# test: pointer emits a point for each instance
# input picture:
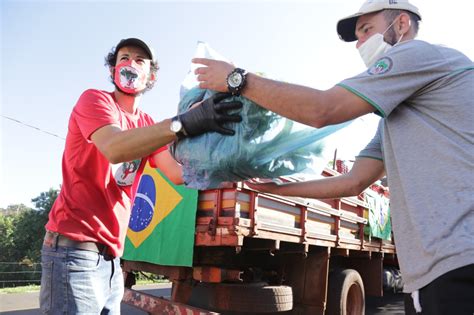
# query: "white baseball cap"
(346, 26)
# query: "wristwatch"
(236, 81)
(177, 127)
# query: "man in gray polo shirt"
(425, 144)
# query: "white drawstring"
(415, 295)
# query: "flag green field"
(379, 220)
(162, 222)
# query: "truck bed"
(226, 216)
(251, 244)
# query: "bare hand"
(270, 187)
(214, 75)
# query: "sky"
(51, 51)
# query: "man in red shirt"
(109, 140)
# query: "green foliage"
(7, 234)
(22, 231)
(14, 209)
(28, 235)
(44, 202)
(21, 289)
(146, 278)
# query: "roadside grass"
(36, 288)
(21, 289)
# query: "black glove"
(211, 115)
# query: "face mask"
(375, 47)
(130, 77)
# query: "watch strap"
(182, 132)
(236, 90)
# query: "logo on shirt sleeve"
(125, 173)
(382, 66)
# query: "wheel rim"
(354, 300)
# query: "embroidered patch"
(382, 66)
(125, 173)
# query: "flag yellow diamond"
(167, 198)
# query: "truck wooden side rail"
(262, 253)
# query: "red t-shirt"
(95, 198)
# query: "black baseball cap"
(137, 43)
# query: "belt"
(53, 239)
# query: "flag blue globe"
(145, 199)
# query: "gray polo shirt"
(425, 95)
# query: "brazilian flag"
(379, 221)
(162, 222)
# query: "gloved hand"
(211, 115)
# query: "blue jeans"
(77, 281)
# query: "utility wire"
(27, 125)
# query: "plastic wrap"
(265, 145)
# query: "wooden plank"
(158, 305)
(172, 272)
(284, 219)
(212, 274)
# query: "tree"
(31, 230)
(29, 234)
(6, 240)
(22, 231)
(14, 209)
(44, 202)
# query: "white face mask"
(375, 47)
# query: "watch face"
(235, 79)
(176, 126)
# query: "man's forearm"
(303, 104)
(364, 172)
(331, 187)
(136, 143)
(296, 102)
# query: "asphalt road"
(27, 303)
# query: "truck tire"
(345, 293)
(251, 298)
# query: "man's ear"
(404, 24)
(112, 71)
(152, 77)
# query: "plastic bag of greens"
(265, 145)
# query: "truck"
(257, 253)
